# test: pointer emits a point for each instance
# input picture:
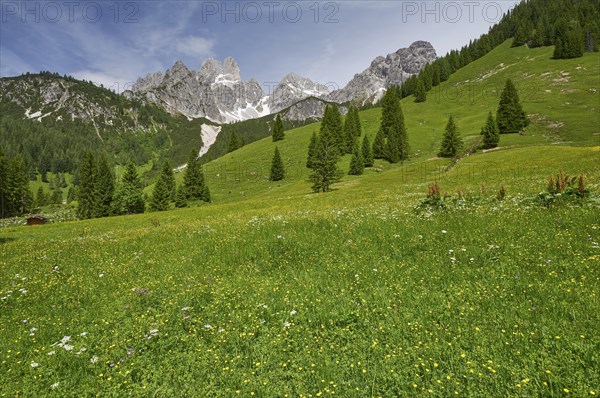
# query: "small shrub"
(501, 193)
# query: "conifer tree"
(490, 133)
(278, 134)
(40, 197)
(129, 196)
(357, 163)
(180, 197)
(193, 180)
(452, 142)
(87, 195)
(325, 170)
(420, 94)
(3, 184)
(379, 145)
(105, 188)
(312, 150)
(352, 129)
(510, 116)
(161, 196)
(169, 177)
(332, 122)
(367, 153)
(392, 124)
(277, 170)
(234, 142)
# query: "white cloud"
(195, 46)
(115, 83)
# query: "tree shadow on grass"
(5, 240)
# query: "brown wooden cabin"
(36, 220)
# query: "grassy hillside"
(275, 291)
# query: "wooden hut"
(36, 220)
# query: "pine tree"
(379, 145)
(420, 94)
(436, 75)
(510, 116)
(277, 170)
(312, 150)
(193, 180)
(367, 153)
(234, 142)
(278, 134)
(357, 163)
(129, 196)
(87, 195)
(105, 188)
(490, 133)
(325, 170)
(451, 143)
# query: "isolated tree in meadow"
(278, 134)
(490, 133)
(325, 170)
(379, 145)
(41, 199)
(105, 188)
(357, 163)
(129, 196)
(3, 183)
(277, 170)
(451, 142)
(420, 93)
(87, 195)
(511, 117)
(367, 153)
(193, 180)
(312, 150)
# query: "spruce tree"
(277, 170)
(129, 197)
(41, 197)
(510, 116)
(357, 163)
(193, 180)
(105, 188)
(312, 150)
(169, 177)
(379, 145)
(234, 142)
(367, 153)
(451, 143)
(352, 129)
(325, 170)
(392, 124)
(161, 196)
(278, 134)
(420, 94)
(87, 195)
(490, 133)
(180, 197)
(332, 123)
(3, 183)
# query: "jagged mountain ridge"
(369, 86)
(218, 93)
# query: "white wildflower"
(94, 359)
(53, 386)
(34, 364)
(293, 312)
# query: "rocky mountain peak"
(231, 69)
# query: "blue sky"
(114, 43)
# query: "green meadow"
(273, 291)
